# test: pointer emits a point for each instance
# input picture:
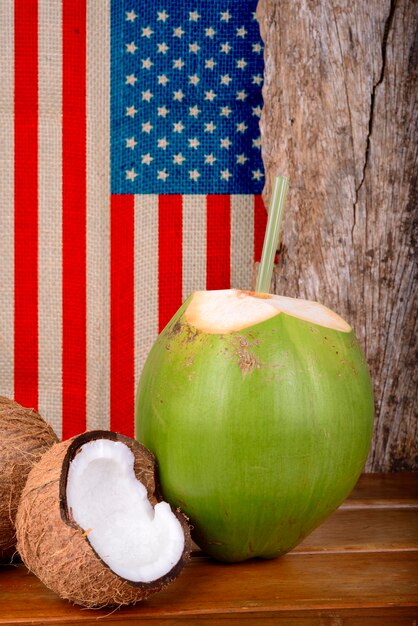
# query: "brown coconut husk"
(24, 437)
(57, 550)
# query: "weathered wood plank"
(365, 530)
(340, 117)
(394, 489)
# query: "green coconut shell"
(259, 434)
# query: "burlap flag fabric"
(131, 175)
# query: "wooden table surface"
(359, 568)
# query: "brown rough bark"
(340, 118)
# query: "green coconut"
(259, 409)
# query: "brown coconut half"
(24, 437)
(92, 526)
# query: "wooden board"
(359, 568)
(386, 489)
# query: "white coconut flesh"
(228, 310)
(137, 541)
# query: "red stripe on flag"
(26, 204)
(170, 215)
(218, 242)
(260, 223)
(122, 375)
(74, 218)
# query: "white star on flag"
(131, 16)
(131, 79)
(225, 174)
(131, 143)
(210, 127)
(194, 143)
(131, 47)
(178, 159)
(162, 175)
(194, 174)
(146, 127)
(131, 111)
(210, 159)
(147, 32)
(226, 48)
(147, 95)
(225, 79)
(146, 159)
(241, 127)
(210, 95)
(131, 174)
(194, 111)
(162, 143)
(225, 111)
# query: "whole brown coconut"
(62, 551)
(24, 437)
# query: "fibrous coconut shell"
(24, 437)
(58, 551)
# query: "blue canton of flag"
(186, 98)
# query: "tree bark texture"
(340, 118)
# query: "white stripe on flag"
(146, 277)
(194, 244)
(50, 212)
(7, 200)
(98, 214)
(242, 240)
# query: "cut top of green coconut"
(228, 310)
(139, 542)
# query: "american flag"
(131, 176)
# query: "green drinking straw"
(272, 234)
